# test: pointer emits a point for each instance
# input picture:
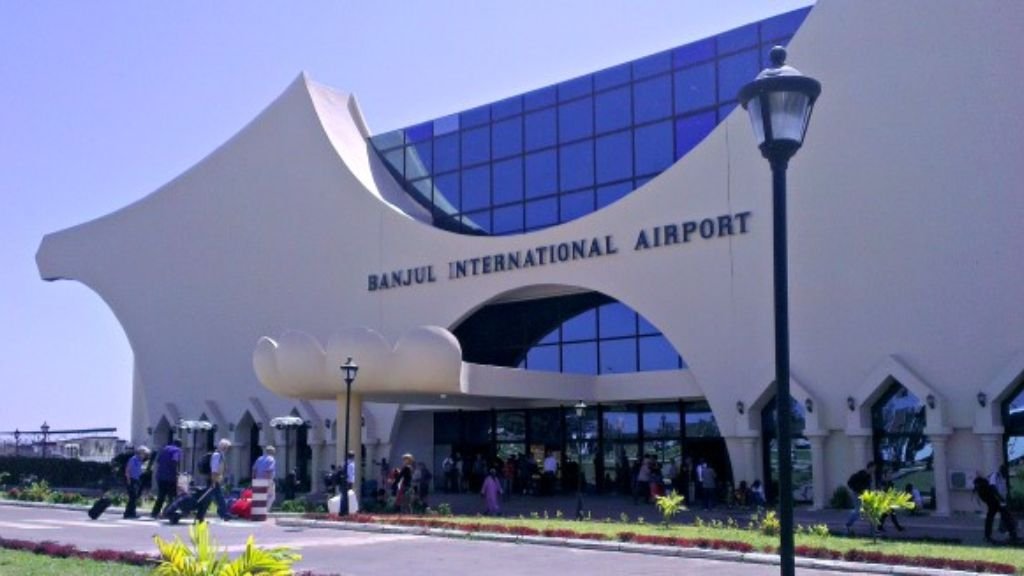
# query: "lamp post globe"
(780, 101)
(349, 370)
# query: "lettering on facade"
(675, 233)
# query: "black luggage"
(184, 504)
(99, 507)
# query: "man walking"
(214, 490)
(859, 483)
(167, 462)
(133, 480)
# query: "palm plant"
(204, 557)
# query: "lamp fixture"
(327, 423)
(740, 407)
(149, 430)
(851, 403)
(809, 405)
(982, 399)
(930, 400)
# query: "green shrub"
(874, 504)
(769, 524)
(444, 509)
(841, 499)
(670, 505)
(204, 558)
(65, 472)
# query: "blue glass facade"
(560, 152)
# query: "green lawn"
(1002, 554)
(17, 563)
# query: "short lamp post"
(581, 409)
(194, 426)
(288, 423)
(349, 370)
(780, 101)
(45, 429)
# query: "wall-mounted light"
(149, 430)
(809, 405)
(930, 400)
(982, 399)
(740, 407)
(851, 403)
(327, 423)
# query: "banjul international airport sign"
(674, 234)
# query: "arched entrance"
(903, 452)
(803, 475)
(1013, 442)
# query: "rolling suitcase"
(99, 507)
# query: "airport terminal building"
(607, 239)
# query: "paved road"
(359, 554)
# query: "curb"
(627, 547)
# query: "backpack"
(204, 463)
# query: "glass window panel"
(541, 213)
(545, 426)
(478, 222)
(476, 188)
(651, 65)
(576, 120)
(608, 194)
(783, 24)
(616, 319)
(506, 450)
(769, 415)
(508, 181)
(417, 160)
(507, 107)
(446, 153)
(640, 182)
(446, 193)
(540, 129)
(907, 459)
(664, 451)
(475, 117)
(694, 52)
(420, 132)
(646, 327)
(508, 137)
(539, 98)
(576, 204)
(735, 71)
(577, 165)
(511, 426)
(541, 174)
(700, 422)
(579, 358)
(575, 88)
(614, 76)
(388, 140)
(653, 148)
(737, 39)
(618, 460)
(508, 219)
(424, 190)
(396, 160)
(652, 99)
(692, 130)
(476, 427)
(446, 125)
(695, 88)
(662, 421)
(582, 326)
(550, 337)
(614, 109)
(618, 356)
(899, 411)
(614, 157)
(446, 427)
(476, 145)
(621, 423)
(656, 353)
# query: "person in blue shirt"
(167, 462)
(133, 480)
(265, 467)
(214, 491)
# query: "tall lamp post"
(780, 101)
(349, 370)
(581, 408)
(45, 429)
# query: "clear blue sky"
(103, 102)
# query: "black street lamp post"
(349, 368)
(581, 408)
(45, 429)
(780, 101)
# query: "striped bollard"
(260, 486)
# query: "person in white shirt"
(550, 468)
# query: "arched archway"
(247, 443)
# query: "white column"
(941, 475)
(355, 433)
(861, 454)
(990, 452)
(749, 450)
(818, 472)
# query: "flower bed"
(49, 548)
(820, 552)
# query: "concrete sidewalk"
(964, 528)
